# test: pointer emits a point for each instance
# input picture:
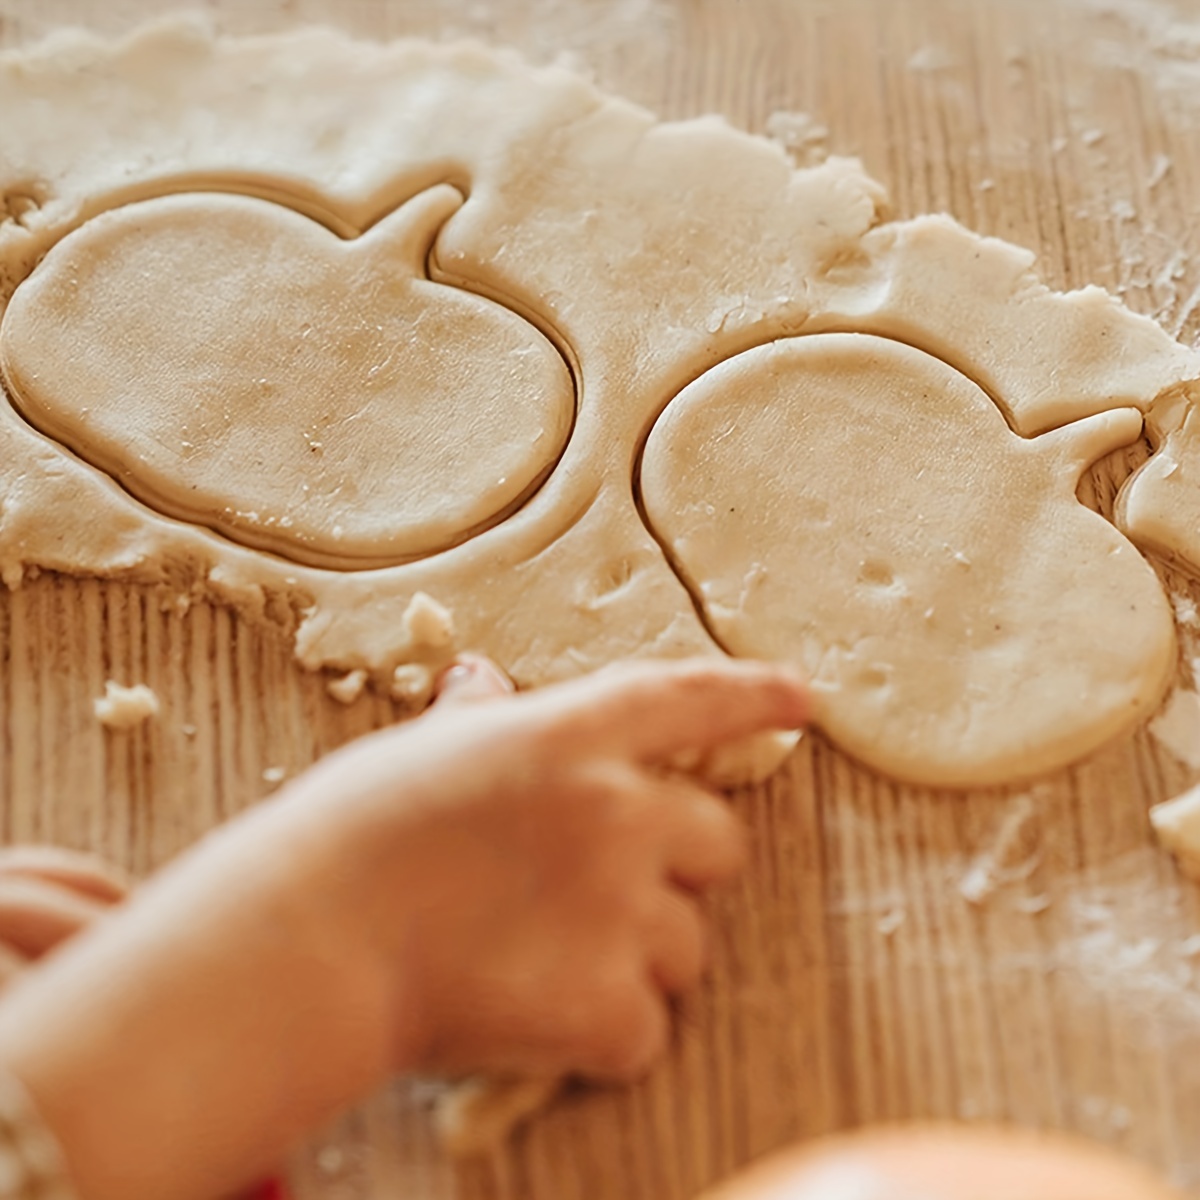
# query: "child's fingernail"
(458, 674)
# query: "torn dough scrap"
(429, 639)
(125, 707)
(478, 1115)
(412, 684)
(1177, 727)
(1177, 826)
(428, 626)
(347, 688)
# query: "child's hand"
(503, 883)
(47, 896)
(522, 870)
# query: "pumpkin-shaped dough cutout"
(237, 365)
(860, 508)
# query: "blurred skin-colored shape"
(946, 1162)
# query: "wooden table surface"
(1025, 955)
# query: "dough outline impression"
(878, 604)
(403, 238)
(644, 304)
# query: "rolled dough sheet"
(312, 326)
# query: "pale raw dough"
(1177, 727)
(428, 627)
(576, 265)
(477, 1116)
(860, 507)
(125, 707)
(1159, 507)
(749, 760)
(1177, 825)
(327, 402)
(347, 688)
(412, 684)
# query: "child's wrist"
(327, 907)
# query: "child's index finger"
(656, 709)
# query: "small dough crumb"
(427, 624)
(125, 707)
(752, 760)
(742, 763)
(1177, 727)
(412, 684)
(348, 688)
(1010, 857)
(1177, 827)
(274, 774)
(977, 884)
(1186, 613)
(1160, 169)
(478, 1115)
(800, 136)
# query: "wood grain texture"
(1024, 955)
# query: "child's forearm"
(163, 1052)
